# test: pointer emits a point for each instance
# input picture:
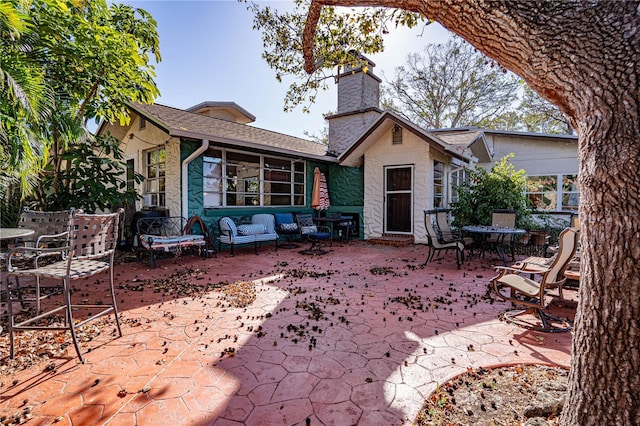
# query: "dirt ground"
(517, 395)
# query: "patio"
(361, 335)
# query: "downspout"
(185, 176)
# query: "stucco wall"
(413, 151)
(149, 138)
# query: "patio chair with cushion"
(90, 251)
(447, 233)
(345, 226)
(313, 233)
(435, 242)
(286, 226)
(518, 286)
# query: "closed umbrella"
(320, 193)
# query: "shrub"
(500, 188)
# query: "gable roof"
(189, 125)
(475, 138)
(353, 155)
(239, 114)
(472, 139)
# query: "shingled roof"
(184, 124)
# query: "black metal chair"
(435, 242)
(288, 228)
(345, 224)
(313, 233)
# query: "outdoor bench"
(261, 228)
(167, 234)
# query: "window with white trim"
(554, 192)
(438, 184)
(154, 184)
(458, 178)
(235, 178)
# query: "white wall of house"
(537, 156)
(413, 151)
(137, 142)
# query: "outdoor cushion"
(156, 242)
(266, 237)
(289, 227)
(282, 218)
(252, 229)
(237, 239)
(227, 224)
(309, 229)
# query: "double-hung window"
(154, 184)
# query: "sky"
(210, 52)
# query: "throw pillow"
(289, 227)
(309, 229)
(252, 229)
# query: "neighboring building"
(550, 161)
(380, 168)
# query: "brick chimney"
(358, 104)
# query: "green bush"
(500, 188)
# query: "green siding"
(196, 201)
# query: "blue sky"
(210, 52)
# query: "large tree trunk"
(584, 57)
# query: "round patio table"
(12, 233)
(502, 232)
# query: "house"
(550, 161)
(208, 161)
(383, 170)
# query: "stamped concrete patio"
(361, 335)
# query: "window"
(242, 179)
(234, 178)
(142, 123)
(553, 192)
(131, 173)
(155, 162)
(570, 192)
(543, 192)
(459, 177)
(283, 182)
(212, 182)
(438, 184)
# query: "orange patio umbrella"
(320, 193)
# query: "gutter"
(185, 176)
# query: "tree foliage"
(502, 187)
(450, 85)
(25, 99)
(339, 32)
(75, 61)
(539, 115)
(101, 156)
